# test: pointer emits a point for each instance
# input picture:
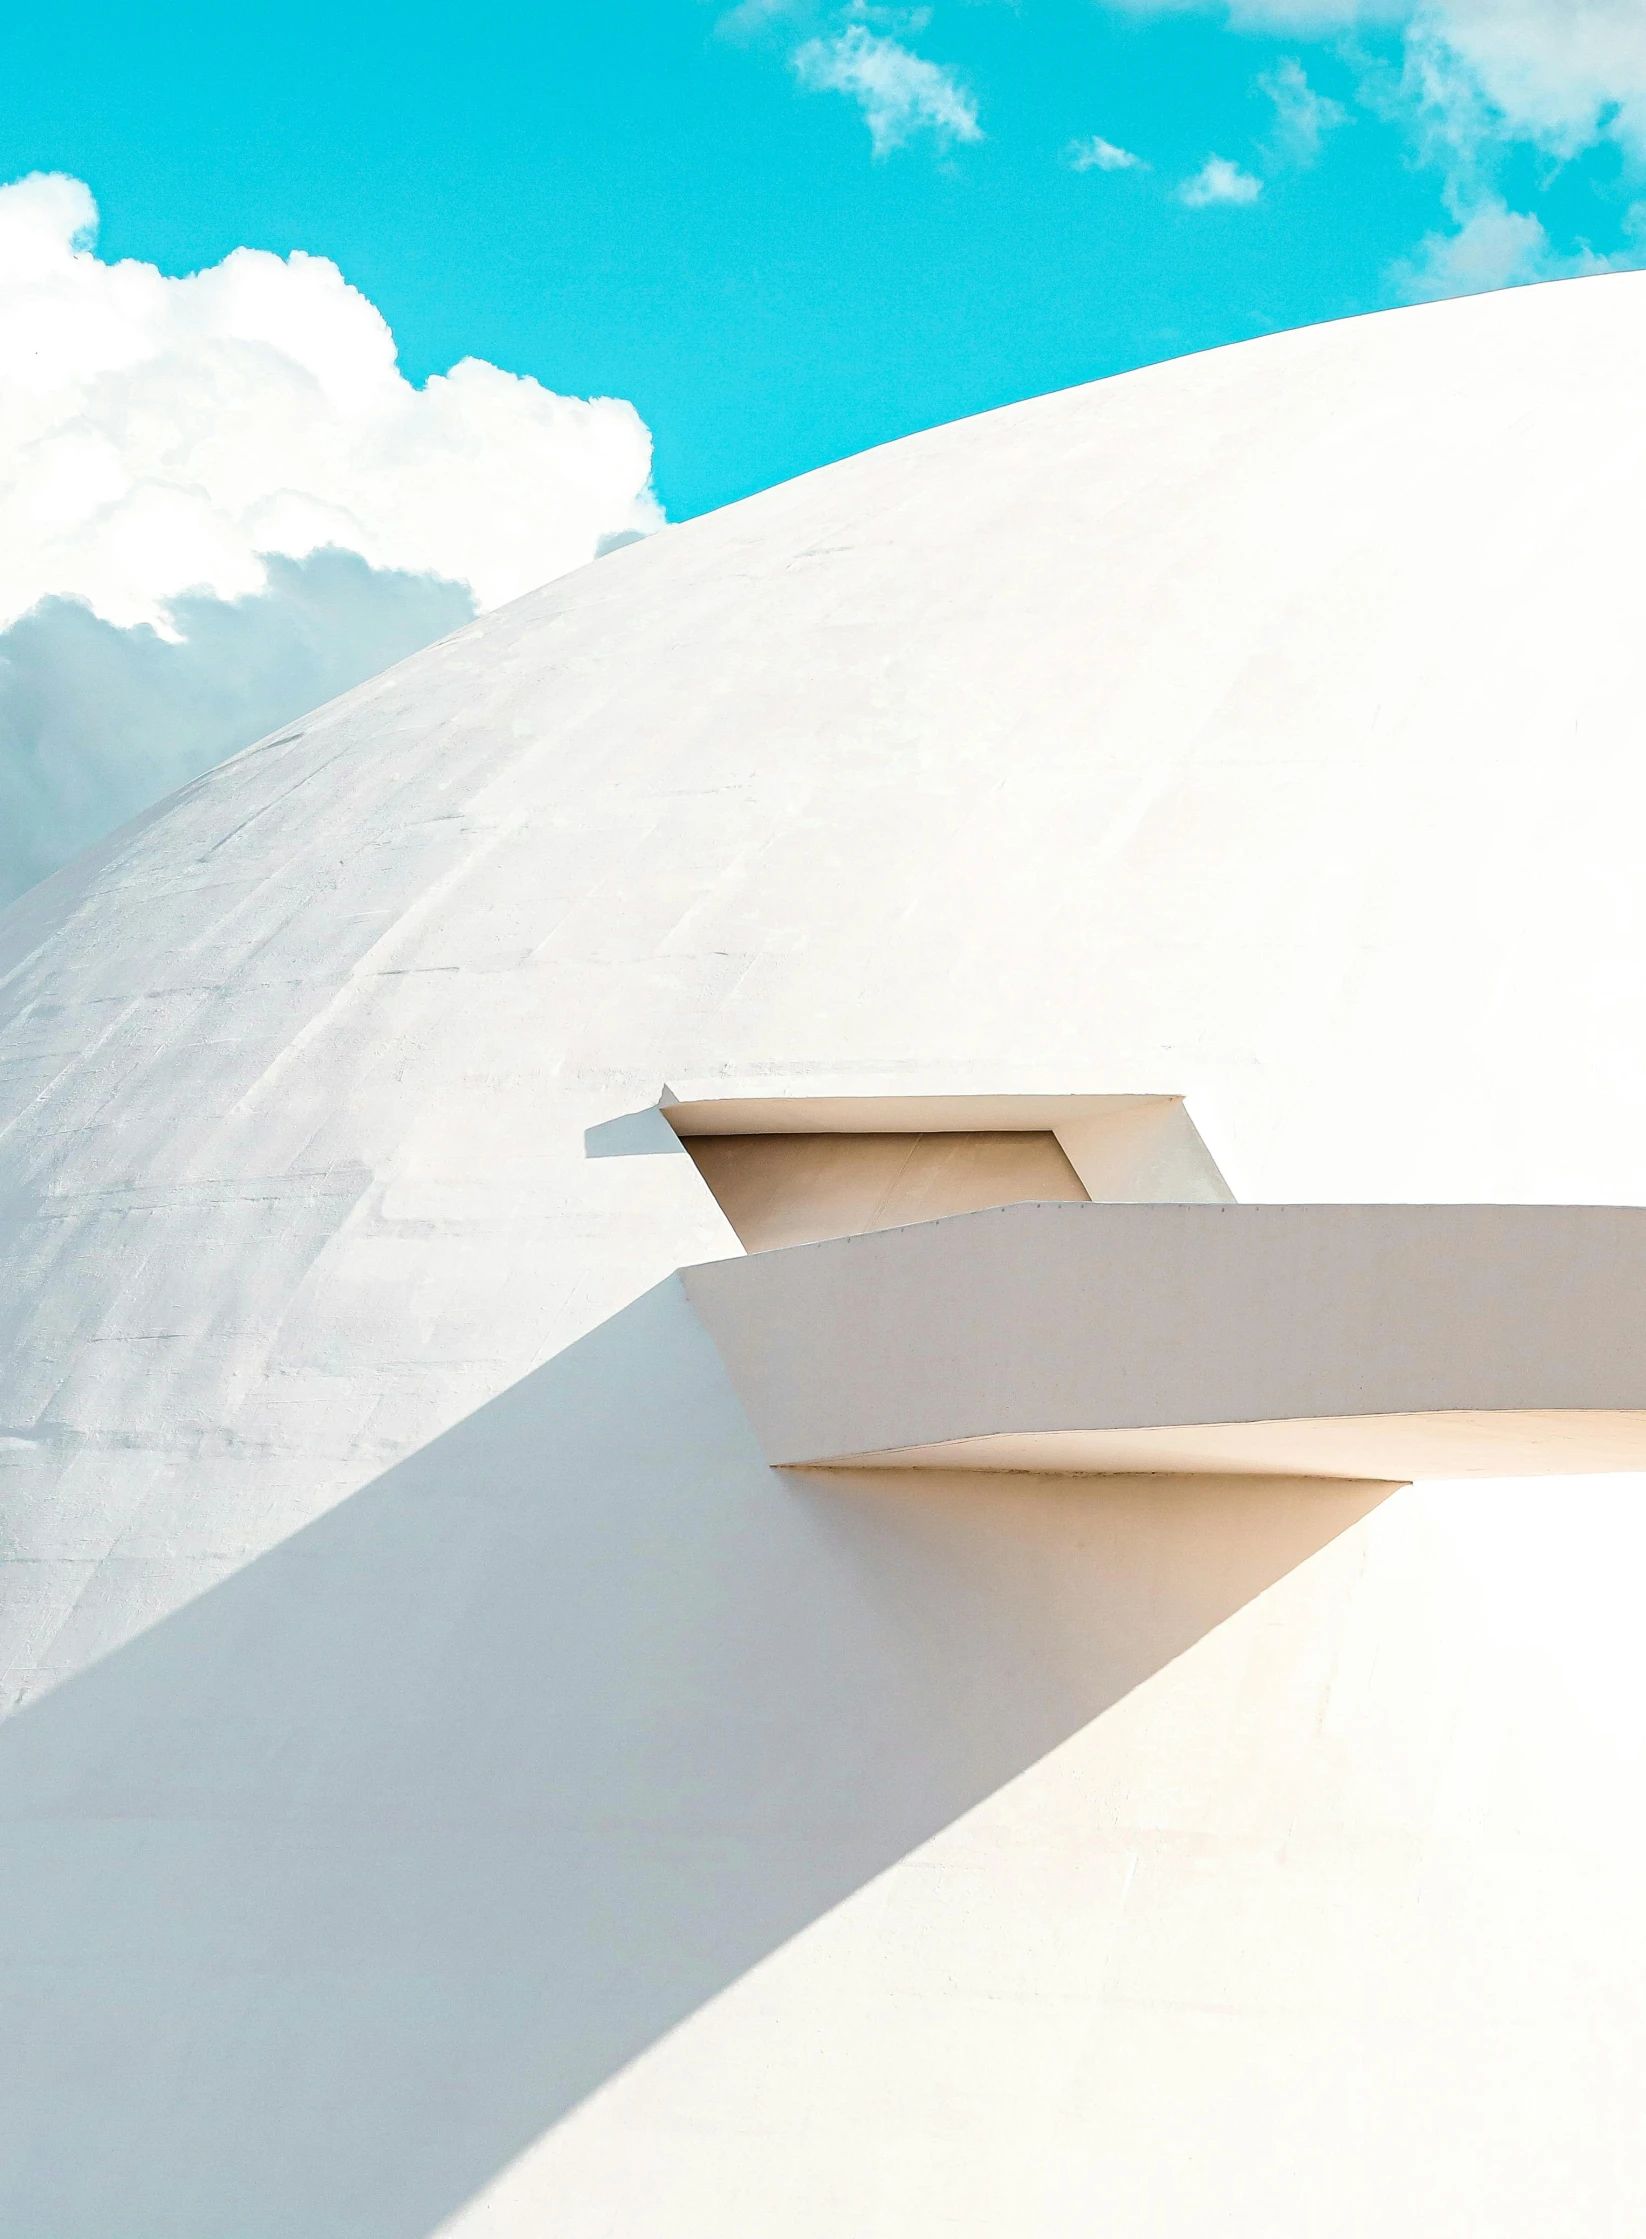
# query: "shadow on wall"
(327, 1896)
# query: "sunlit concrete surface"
(453, 1782)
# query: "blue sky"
(781, 230)
(633, 199)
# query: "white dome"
(1263, 729)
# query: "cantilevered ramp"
(1366, 1341)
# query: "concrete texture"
(453, 1782)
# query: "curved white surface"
(560, 1822)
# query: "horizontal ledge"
(1365, 1341)
(897, 1115)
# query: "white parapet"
(1364, 1341)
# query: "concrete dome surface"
(452, 1782)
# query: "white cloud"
(1307, 18)
(1302, 117)
(1219, 181)
(98, 721)
(1475, 78)
(160, 436)
(1493, 247)
(1561, 73)
(748, 18)
(221, 503)
(900, 93)
(1098, 154)
(1496, 247)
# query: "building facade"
(717, 1309)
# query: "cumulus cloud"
(159, 435)
(1219, 181)
(221, 501)
(899, 92)
(97, 721)
(1098, 154)
(1302, 117)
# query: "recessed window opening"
(799, 1189)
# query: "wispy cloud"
(1098, 154)
(748, 18)
(1494, 246)
(899, 92)
(1563, 74)
(1303, 117)
(1219, 181)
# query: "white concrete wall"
(1331, 1926)
(426, 1702)
(334, 1894)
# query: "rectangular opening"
(799, 1189)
